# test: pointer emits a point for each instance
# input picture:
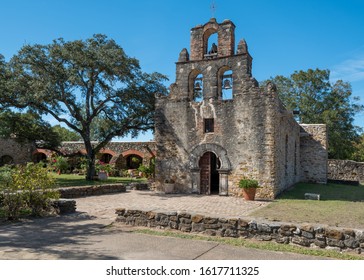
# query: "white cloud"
(350, 70)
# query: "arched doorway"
(6, 159)
(39, 156)
(133, 161)
(222, 167)
(106, 157)
(209, 175)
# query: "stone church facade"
(218, 126)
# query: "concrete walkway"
(87, 234)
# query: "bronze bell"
(197, 86)
(227, 84)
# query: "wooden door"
(205, 173)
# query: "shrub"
(145, 170)
(102, 166)
(60, 164)
(29, 188)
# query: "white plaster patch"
(212, 108)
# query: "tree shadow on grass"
(61, 237)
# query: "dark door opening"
(209, 175)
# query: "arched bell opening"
(225, 83)
(210, 43)
(195, 86)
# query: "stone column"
(195, 180)
(223, 174)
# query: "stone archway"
(225, 166)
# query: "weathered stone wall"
(314, 154)
(201, 33)
(119, 151)
(345, 170)
(254, 135)
(286, 147)
(300, 234)
(245, 127)
(64, 206)
(73, 192)
(20, 153)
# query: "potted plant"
(169, 185)
(249, 187)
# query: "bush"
(60, 164)
(5, 179)
(29, 188)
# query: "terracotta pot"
(102, 175)
(168, 188)
(249, 193)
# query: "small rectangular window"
(209, 125)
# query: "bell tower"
(201, 33)
(212, 69)
(217, 125)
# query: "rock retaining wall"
(64, 206)
(303, 235)
(73, 192)
(345, 170)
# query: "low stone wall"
(303, 235)
(64, 206)
(73, 192)
(139, 186)
(345, 170)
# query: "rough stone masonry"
(306, 235)
(207, 141)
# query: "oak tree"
(90, 85)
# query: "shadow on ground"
(63, 237)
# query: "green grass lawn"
(340, 205)
(70, 180)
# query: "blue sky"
(282, 36)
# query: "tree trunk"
(90, 160)
(90, 169)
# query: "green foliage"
(248, 183)
(106, 167)
(4, 77)
(65, 134)
(320, 101)
(29, 188)
(147, 171)
(36, 185)
(60, 163)
(5, 180)
(102, 92)
(28, 127)
(358, 154)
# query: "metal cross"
(213, 8)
